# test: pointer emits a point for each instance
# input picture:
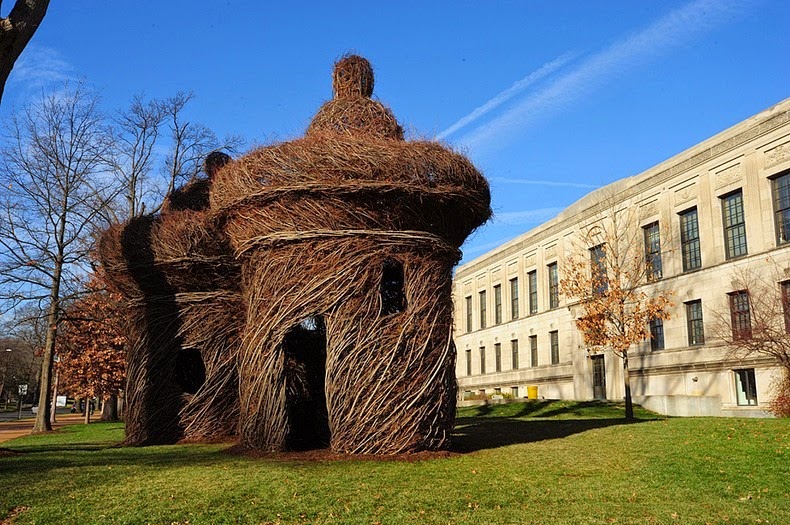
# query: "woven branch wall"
(301, 296)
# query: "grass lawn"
(535, 462)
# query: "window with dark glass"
(514, 353)
(781, 186)
(533, 350)
(554, 286)
(599, 279)
(740, 315)
(497, 304)
(498, 357)
(746, 387)
(483, 311)
(482, 359)
(514, 298)
(652, 251)
(785, 287)
(554, 338)
(696, 329)
(468, 306)
(657, 334)
(689, 240)
(734, 225)
(468, 361)
(532, 277)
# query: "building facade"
(707, 216)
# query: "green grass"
(537, 462)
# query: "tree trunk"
(45, 389)
(43, 415)
(629, 406)
(110, 409)
(54, 408)
(16, 30)
(87, 411)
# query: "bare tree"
(609, 274)
(52, 173)
(137, 130)
(16, 30)
(755, 319)
(19, 350)
(148, 126)
(190, 143)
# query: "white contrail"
(517, 87)
(526, 217)
(533, 182)
(679, 26)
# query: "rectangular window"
(781, 186)
(689, 240)
(498, 357)
(533, 291)
(533, 350)
(554, 338)
(514, 392)
(554, 286)
(734, 225)
(482, 359)
(497, 304)
(656, 334)
(746, 387)
(598, 276)
(652, 251)
(468, 361)
(468, 306)
(740, 315)
(696, 329)
(498, 391)
(785, 286)
(514, 353)
(483, 311)
(514, 298)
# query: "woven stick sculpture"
(308, 303)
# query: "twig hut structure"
(317, 284)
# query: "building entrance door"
(599, 377)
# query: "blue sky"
(549, 99)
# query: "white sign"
(60, 401)
(22, 390)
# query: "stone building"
(708, 214)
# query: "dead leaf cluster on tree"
(91, 344)
(608, 275)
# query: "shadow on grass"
(475, 433)
(36, 461)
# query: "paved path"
(22, 427)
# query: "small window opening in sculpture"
(189, 370)
(393, 299)
(304, 348)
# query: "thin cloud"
(678, 27)
(39, 67)
(517, 87)
(480, 248)
(526, 217)
(532, 182)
